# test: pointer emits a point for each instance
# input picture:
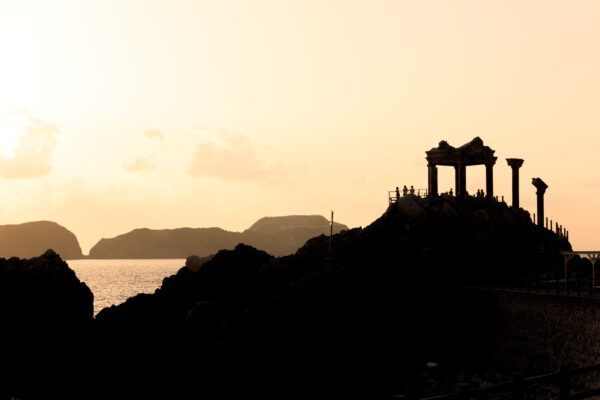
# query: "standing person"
(404, 190)
(397, 193)
(412, 189)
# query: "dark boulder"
(46, 315)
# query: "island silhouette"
(278, 236)
(31, 239)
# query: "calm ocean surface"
(114, 281)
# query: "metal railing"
(517, 386)
(393, 196)
(582, 287)
(558, 229)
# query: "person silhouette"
(450, 192)
(397, 193)
(412, 189)
(404, 190)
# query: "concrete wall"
(535, 333)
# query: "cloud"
(155, 134)
(146, 163)
(226, 155)
(140, 164)
(35, 141)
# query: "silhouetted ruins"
(472, 153)
(515, 164)
(541, 189)
(476, 153)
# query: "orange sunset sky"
(116, 115)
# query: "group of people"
(479, 195)
(405, 191)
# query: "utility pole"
(330, 232)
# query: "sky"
(162, 114)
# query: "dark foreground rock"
(277, 235)
(359, 324)
(33, 238)
(45, 315)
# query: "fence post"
(518, 391)
(565, 382)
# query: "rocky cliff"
(31, 239)
(359, 324)
(46, 315)
(277, 235)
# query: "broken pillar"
(541, 189)
(515, 164)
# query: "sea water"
(114, 281)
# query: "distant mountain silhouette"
(32, 239)
(278, 236)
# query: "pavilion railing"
(393, 196)
(558, 229)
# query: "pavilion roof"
(472, 153)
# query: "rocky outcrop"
(31, 239)
(361, 323)
(46, 315)
(277, 235)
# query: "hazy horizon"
(169, 114)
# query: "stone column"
(541, 189)
(456, 181)
(515, 164)
(489, 180)
(462, 181)
(432, 179)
